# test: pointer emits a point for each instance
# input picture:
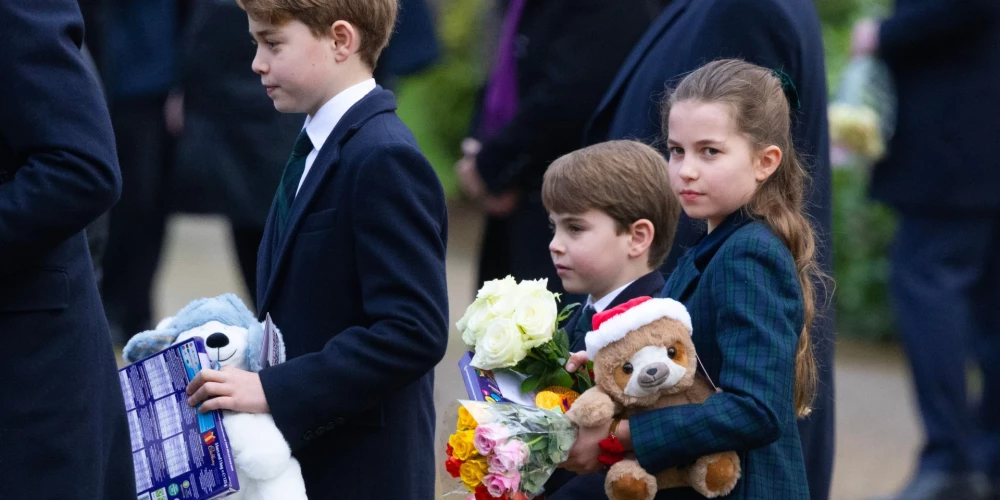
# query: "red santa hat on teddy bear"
(613, 324)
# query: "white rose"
(535, 313)
(500, 295)
(472, 326)
(500, 347)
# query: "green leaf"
(530, 384)
(561, 342)
(566, 312)
(535, 368)
(560, 377)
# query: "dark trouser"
(137, 224)
(946, 292)
(817, 430)
(247, 241)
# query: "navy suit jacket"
(357, 287)
(63, 429)
(944, 57)
(646, 286)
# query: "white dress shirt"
(319, 126)
(605, 301)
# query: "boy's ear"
(642, 232)
(346, 40)
(767, 161)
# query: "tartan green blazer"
(742, 290)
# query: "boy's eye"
(271, 44)
(573, 228)
(253, 41)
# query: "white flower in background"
(500, 347)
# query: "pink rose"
(507, 458)
(488, 436)
(498, 484)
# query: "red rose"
(483, 494)
(449, 450)
(453, 465)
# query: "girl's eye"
(676, 151)
(711, 151)
(627, 368)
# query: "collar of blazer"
(377, 101)
(693, 263)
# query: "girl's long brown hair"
(761, 113)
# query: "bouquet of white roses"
(514, 326)
(863, 114)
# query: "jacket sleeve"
(54, 123)
(916, 29)
(550, 118)
(757, 306)
(400, 222)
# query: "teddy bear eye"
(627, 368)
(671, 353)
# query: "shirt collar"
(606, 300)
(321, 125)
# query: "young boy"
(614, 218)
(352, 264)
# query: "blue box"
(178, 453)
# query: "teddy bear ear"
(148, 343)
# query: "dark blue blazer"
(646, 286)
(741, 287)
(357, 286)
(63, 429)
(944, 57)
(778, 34)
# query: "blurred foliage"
(862, 229)
(438, 103)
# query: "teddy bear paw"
(592, 408)
(715, 475)
(627, 480)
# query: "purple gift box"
(178, 453)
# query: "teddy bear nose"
(654, 374)
(217, 340)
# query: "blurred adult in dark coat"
(778, 34)
(563, 54)
(232, 143)
(942, 175)
(63, 429)
(138, 69)
(413, 47)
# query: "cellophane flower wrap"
(863, 113)
(515, 326)
(506, 451)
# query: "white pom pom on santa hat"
(615, 323)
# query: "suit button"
(308, 435)
(320, 431)
(340, 421)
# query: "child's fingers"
(205, 375)
(210, 390)
(576, 360)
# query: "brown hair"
(761, 113)
(627, 180)
(374, 19)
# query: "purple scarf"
(501, 95)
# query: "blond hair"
(761, 113)
(374, 19)
(627, 180)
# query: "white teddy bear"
(265, 467)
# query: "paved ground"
(877, 433)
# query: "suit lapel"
(377, 101)
(690, 266)
(665, 19)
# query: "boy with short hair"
(614, 218)
(352, 263)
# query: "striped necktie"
(290, 178)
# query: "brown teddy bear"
(644, 359)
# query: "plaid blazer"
(742, 290)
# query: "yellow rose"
(461, 444)
(472, 472)
(465, 419)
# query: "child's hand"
(228, 389)
(576, 360)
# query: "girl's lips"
(689, 195)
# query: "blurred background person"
(138, 64)
(942, 176)
(413, 47)
(553, 62)
(783, 35)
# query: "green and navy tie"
(290, 178)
